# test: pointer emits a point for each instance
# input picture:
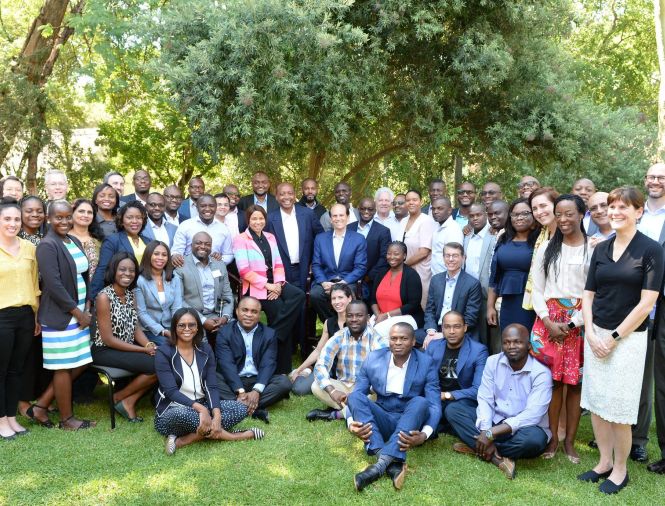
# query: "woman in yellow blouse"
(18, 269)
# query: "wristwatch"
(489, 435)
(448, 396)
(571, 325)
(616, 336)
(240, 391)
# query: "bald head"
(515, 345)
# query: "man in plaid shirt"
(349, 346)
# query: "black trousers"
(17, 328)
(278, 388)
(140, 363)
(283, 313)
(34, 378)
(640, 430)
(659, 379)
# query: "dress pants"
(282, 314)
(292, 272)
(386, 425)
(525, 443)
(641, 429)
(659, 379)
(17, 327)
(444, 424)
(320, 302)
(278, 388)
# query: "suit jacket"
(486, 252)
(378, 239)
(466, 300)
(410, 291)
(319, 210)
(113, 244)
(184, 211)
(470, 365)
(126, 199)
(248, 200)
(59, 287)
(308, 228)
(192, 291)
(230, 353)
(422, 380)
(352, 259)
(252, 266)
(153, 315)
(149, 235)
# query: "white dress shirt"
(338, 242)
(160, 232)
(448, 231)
(292, 234)
(221, 238)
(396, 376)
(447, 305)
(249, 369)
(473, 250)
(173, 220)
(364, 231)
(231, 222)
(392, 223)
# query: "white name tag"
(216, 273)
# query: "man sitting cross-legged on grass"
(349, 346)
(246, 352)
(460, 361)
(511, 419)
(407, 407)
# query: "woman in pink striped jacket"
(262, 272)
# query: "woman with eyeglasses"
(188, 404)
(510, 268)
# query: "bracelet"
(150, 344)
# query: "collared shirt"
(221, 238)
(461, 220)
(263, 204)
(518, 398)
(352, 215)
(139, 199)
(249, 369)
(207, 287)
(173, 220)
(447, 305)
(473, 249)
(19, 276)
(350, 354)
(231, 222)
(396, 376)
(292, 234)
(365, 230)
(338, 242)
(586, 221)
(652, 222)
(392, 223)
(263, 244)
(193, 210)
(600, 235)
(448, 231)
(160, 232)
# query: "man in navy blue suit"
(376, 235)
(246, 352)
(142, 183)
(187, 209)
(460, 362)
(452, 289)
(340, 255)
(157, 227)
(407, 407)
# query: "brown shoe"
(506, 465)
(397, 473)
(462, 448)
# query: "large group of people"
(495, 321)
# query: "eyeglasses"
(452, 256)
(598, 207)
(232, 194)
(523, 215)
(526, 184)
(183, 326)
(366, 209)
(466, 192)
(399, 203)
(173, 197)
(651, 179)
(488, 192)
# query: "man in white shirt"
(157, 227)
(383, 198)
(407, 408)
(173, 197)
(473, 243)
(447, 231)
(235, 217)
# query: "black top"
(448, 371)
(318, 210)
(618, 284)
(264, 246)
(332, 326)
(410, 291)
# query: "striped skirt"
(66, 349)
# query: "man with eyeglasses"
(377, 238)
(56, 185)
(142, 183)
(526, 186)
(188, 207)
(173, 197)
(466, 196)
(157, 227)
(491, 192)
(460, 362)
(598, 211)
(399, 206)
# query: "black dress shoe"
(369, 475)
(321, 414)
(638, 453)
(592, 476)
(593, 444)
(397, 473)
(609, 487)
(261, 414)
(657, 467)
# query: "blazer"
(486, 252)
(149, 235)
(230, 353)
(184, 211)
(113, 244)
(352, 259)
(466, 300)
(410, 291)
(377, 239)
(59, 286)
(126, 199)
(153, 316)
(470, 365)
(308, 227)
(252, 266)
(248, 200)
(422, 380)
(169, 373)
(192, 291)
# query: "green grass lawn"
(297, 463)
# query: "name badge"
(216, 273)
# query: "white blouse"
(191, 383)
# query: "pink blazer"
(252, 264)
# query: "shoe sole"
(398, 482)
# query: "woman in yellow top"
(18, 306)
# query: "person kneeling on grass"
(511, 420)
(188, 394)
(407, 408)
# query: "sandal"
(30, 413)
(120, 408)
(85, 424)
(170, 444)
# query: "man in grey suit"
(205, 285)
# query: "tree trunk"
(365, 163)
(315, 163)
(459, 164)
(659, 18)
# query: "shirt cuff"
(427, 430)
(259, 387)
(483, 425)
(349, 421)
(514, 424)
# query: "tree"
(659, 17)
